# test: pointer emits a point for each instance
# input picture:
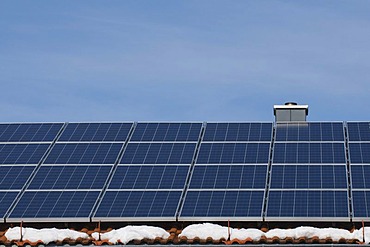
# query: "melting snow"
(206, 230)
(128, 233)
(358, 234)
(252, 233)
(310, 232)
(217, 232)
(202, 231)
(46, 235)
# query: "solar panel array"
(67, 184)
(229, 176)
(149, 179)
(69, 172)
(22, 148)
(359, 155)
(309, 173)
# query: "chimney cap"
(291, 106)
(291, 103)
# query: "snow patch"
(358, 234)
(242, 234)
(129, 233)
(310, 232)
(46, 235)
(203, 231)
(280, 233)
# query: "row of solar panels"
(118, 132)
(184, 171)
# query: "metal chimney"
(290, 112)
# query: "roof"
(171, 174)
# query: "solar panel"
(159, 153)
(222, 205)
(305, 153)
(30, 132)
(228, 177)
(151, 180)
(167, 132)
(358, 131)
(138, 205)
(22, 153)
(14, 177)
(308, 177)
(54, 206)
(149, 177)
(311, 205)
(6, 199)
(108, 132)
(70, 177)
(361, 204)
(360, 176)
(84, 153)
(359, 148)
(330, 131)
(238, 132)
(233, 153)
(359, 153)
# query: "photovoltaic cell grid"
(22, 148)
(244, 132)
(358, 131)
(22, 154)
(84, 153)
(360, 176)
(229, 177)
(167, 132)
(312, 169)
(307, 205)
(151, 175)
(359, 154)
(14, 177)
(142, 203)
(96, 132)
(77, 167)
(234, 153)
(70, 177)
(6, 199)
(308, 170)
(159, 153)
(361, 204)
(320, 131)
(33, 132)
(309, 153)
(59, 201)
(235, 143)
(39, 205)
(224, 191)
(139, 205)
(308, 177)
(202, 205)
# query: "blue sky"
(183, 60)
